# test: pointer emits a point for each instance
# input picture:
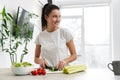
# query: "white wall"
(115, 24)
(29, 5)
(12, 6)
(79, 2)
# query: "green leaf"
(17, 65)
(7, 32)
(4, 21)
(5, 38)
(9, 15)
(5, 26)
(25, 64)
(3, 11)
(3, 35)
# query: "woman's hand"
(42, 62)
(61, 64)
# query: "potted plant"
(10, 44)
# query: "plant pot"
(20, 71)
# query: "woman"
(53, 44)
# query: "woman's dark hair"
(46, 10)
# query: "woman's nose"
(58, 19)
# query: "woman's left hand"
(61, 64)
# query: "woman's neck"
(51, 29)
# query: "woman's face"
(53, 19)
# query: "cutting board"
(53, 72)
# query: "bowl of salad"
(23, 68)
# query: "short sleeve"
(37, 40)
(67, 35)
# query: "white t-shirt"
(53, 45)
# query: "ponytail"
(44, 22)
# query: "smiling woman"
(53, 43)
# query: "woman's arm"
(37, 58)
(72, 50)
(37, 54)
(72, 57)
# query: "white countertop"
(89, 74)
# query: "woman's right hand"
(42, 62)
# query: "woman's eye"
(54, 16)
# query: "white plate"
(53, 72)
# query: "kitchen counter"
(89, 74)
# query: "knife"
(51, 68)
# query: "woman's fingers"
(42, 63)
(61, 64)
(46, 64)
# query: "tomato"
(43, 72)
(34, 72)
(39, 71)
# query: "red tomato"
(44, 72)
(34, 72)
(38, 71)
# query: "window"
(97, 36)
(90, 27)
(72, 20)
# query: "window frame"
(83, 45)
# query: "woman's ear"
(46, 17)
